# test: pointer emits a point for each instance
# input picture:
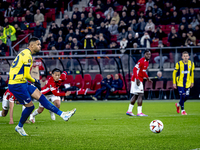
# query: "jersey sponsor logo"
(185, 72)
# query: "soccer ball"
(156, 126)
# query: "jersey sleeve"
(192, 73)
(136, 68)
(55, 92)
(174, 73)
(27, 59)
(11, 98)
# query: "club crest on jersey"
(189, 66)
(29, 60)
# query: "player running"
(139, 72)
(183, 78)
(8, 104)
(23, 91)
(51, 91)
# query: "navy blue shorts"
(22, 91)
(182, 90)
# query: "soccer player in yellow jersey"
(183, 78)
(23, 91)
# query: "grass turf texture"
(104, 125)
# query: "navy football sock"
(48, 105)
(25, 114)
(182, 99)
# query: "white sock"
(23, 107)
(139, 109)
(178, 104)
(130, 108)
(0, 113)
(35, 113)
(182, 110)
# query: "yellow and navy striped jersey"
(20, 68)
(183, 74)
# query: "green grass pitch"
(104, 125)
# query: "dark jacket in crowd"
(117, 84)
(3, 48)
(38, 31)
(106, 81)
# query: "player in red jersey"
(8, 103)
(139, 73)
(51, 91)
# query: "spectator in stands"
(77, 35)
(132, 16)
(191, 15)
(18, 30)
(5, 21)
(158, 58)
(76, 43)
(184, 15)
(18, 11)
(83, 18)
(113, 45)
(159, 3)
(74, 21)
(133, 6)
(173, 38)
(23, 24)
(124, 17)
(191, 37)
(103, 30)
(136, 53)
(60, 34)
(1, 29)
(194, 23)
(42, 9)
(122, 25)
(66, 20)
(54, 28)
(107, 20)
(116, 84)
(182, 29)
(149, 3)
(127, 7)
(105, 84)
(157, 12)
(130, 31)
(90, 18)
(149, 9)
(39, 17)
(35, 72)
(3, 48)
(189, 43)
(91, 26)
(98, 20)
(150, 27)
(159, 34)
(100, 6)
(197, 32)
(136, 39)
(101, 42)
(92, 12)
(122, 35)
(141, 26)
(88, 42)
(84, 11)
(60, 45)
(9, 32)
(174, 18)
(109, 4)
(15, 21)
(130, 41)
(48, 39)
(166, 18)
(189, 28)
(183, 39)
(2, 86)
(9, 11)
(109, 11)
(133, 25)
(53, 51)
(116, 17)
(113, 28)
(32, 7)
(123, 45)
(141, 15)
(146, 40)
(71, 34)
(43, 81)
(77, 13)
(167, 7)
(39, 31)
(51, 43)
(67, 47)
(29, 17)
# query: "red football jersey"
(52, 87)
(9, 96)
(139, 71)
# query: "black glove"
(37, 84)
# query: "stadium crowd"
(106, 24)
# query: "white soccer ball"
(156, 126)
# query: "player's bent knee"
(40, 110)
(29, 104)
(36, 94)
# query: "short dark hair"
(146, 51)
(33, 39)
(56, 70)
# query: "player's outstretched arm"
(174, 75)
